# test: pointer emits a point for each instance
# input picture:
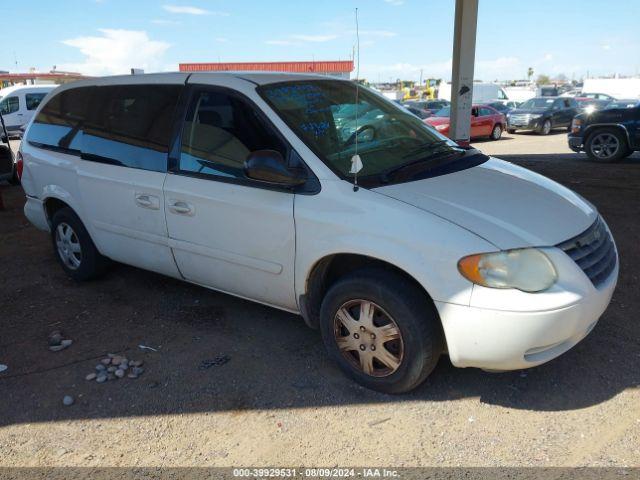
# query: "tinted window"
(9, 105)
(485, 111)
(33, 100)
(130, 125)
(389, 136)
(219, 133)
(59, 121)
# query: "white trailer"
(616, 87)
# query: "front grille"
(520, 118)
(594, 252)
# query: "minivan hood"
(503, 203)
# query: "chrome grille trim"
(593, 251)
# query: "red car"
(486, 121)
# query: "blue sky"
(398, 37)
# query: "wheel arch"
(328, 269)
(592, 129)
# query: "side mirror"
(268, 166)
(6, 163)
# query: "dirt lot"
(278, 400)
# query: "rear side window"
(33, 100)
(9, 105)
(130, 125)
(485, 112)
(59, 122)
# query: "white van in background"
(19, 103)
(482, 92)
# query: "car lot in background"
(542, 114)
(595, 96)
(608, 135)
(19, 103)
(486, 121)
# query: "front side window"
(220, 131)
(485, 112)
(33, 100)
(9, 105)
(323, 114)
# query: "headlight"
(441, 127)
(527, 269)
(576, 124)
(533, 116)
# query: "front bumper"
(532, 328)
(575, 143)
(532, 124)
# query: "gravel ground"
(278, 400)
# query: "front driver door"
(226, 231)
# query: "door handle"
(145, 200)
(181, 208)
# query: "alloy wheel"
(605, 145)
(368, 338)
(68, 245)
(546, 127)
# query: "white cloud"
(301, 39)
(187, 10)
(281, 42)
(314, 38)
(162, 21)
(117, 51)
(375, 33)
(606, 47)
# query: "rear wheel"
(382, 330)
(496, 133)
(607, 145)
(74, 248)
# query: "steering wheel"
(360, 131)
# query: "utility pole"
(464, 55)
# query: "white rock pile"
(115, 367)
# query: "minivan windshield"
(323, 114)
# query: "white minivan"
(19, 103)
(244, 183)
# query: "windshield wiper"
(433, 160)
(425, 145)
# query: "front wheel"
(496, 133)
(382, 330)
(546, 128)
(607, 145)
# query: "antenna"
(356, 163)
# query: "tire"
(496, 133)
(419, 342)
(73, 247)
(546, 127)
(607, 145)
(511, 130)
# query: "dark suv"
(542, 114)
(606, 135)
